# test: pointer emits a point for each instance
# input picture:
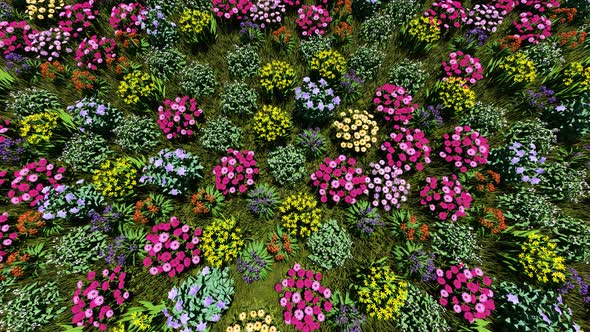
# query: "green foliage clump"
(487, 119)
(31, 101)
(243, 62)
(165, 63)
(365, 218)
(572, 236)
(561, 182)
(76, 251)
(220, 134)
(85, 152)
(198, 80)
(330, 246)
(136, 134)
(401, 12)
(571, 117)
(287, 165)
(314, 45)
(421, 313)
(456, 242)
(312, 142)
(408, 74)
(527, 209)
(377, 29)
(173, 171)
(545, 56)
(366, 61)
(239, 99)
(532, 131)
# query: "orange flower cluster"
(494, 220)
(412, 230)
(487, 181)
(83, 80)
(202, 201)
(13, 265)
(125, 39)
(562, 15)
(50, 70)
(146, 204)
(275, 250)
(121, 64)
(281, 35)
(30, 222)
(342, 8)
(342, 31)
(571, 38)
(511, 41)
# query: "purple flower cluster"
(251, 267)
(576, 279)
(476, 35)
(11, 149)
(116, 253)
(16, 63)
(422, 263)
(103, 222)
(49, 44)
(542, 98)
(524, 163)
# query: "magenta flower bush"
(7, 235)
(313, 20)
(14, 36)
(178, 117)
(395, 103)
(449, 13)
(228, 9)
(292, 3)
(532, 28)
(93, 52)
(95, 303)
(539, 5)
(127, 18)
(407, 149)
(77, 17)
(236, 172)
(386, 189)
(485, 17)
(49, 44)
(304, 300)
(267, 12)
(506, 5)
(463, 66)
(465, 148)
(30, 180)
(445, 197)
(172, 248)
(339, 179)
(466, 292)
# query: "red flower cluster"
(77, 17)
(313, 20)
(532, 28)
(30, 180)
(7, 237)
(463, 66)
(126, 18)
(93, 52)
(447, 12)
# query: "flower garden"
(287, 165)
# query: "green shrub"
(239, 99)
(243, 62)
(487, 119)
(85, 152)
(198, 80)
(137, 134)
(408, 74)
(287, 165)
(421, 313)
(76, 251)
(456, 242)
(527, 209)
(366, 61)
(220, 134)
(31, 101)
(330, 246)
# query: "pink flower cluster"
(4, 123)
(236, 172)
(231, 8)
(172, 248)
(313, 20)
(338, 179)
(93, 305)
(466, 291)
(30, 180)
(463, 66)
(127, 18)
(540, 5)
(292, 3)
(485, 17)
(447, 12)
(505, 5)
(6, 235)
(446, 197)
(178, 117)
(465, 147)
(13, 36)
(304, 299)
(408, 148)
(48, 44)
(77, 17)
(532, 28)
(386, 188)
(267, 12)
(395, 102)
(93, 52)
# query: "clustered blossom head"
(386, 188)
(230, 8)
(236, 172)
(174, 171)
(313, 20)
(532, 28)
(445, 197)
(408, 149)
(48, 44)
(30, 180)
(93, 115)
(7, 236)
(172, 248)
(77, 17)
(524, 163)
(485, 17)
(267, 12)
(540, 5)
(465, 147)
(14, 36)
(97, 302)
(94, 52)
(463, 66)
(179, 117)
(466, 291)
(395, 102)
(127, 18)
(316, 101)
(447, 12)
(304, 299)
(338, 179)
(357, 130)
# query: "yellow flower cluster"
(519, 68)
(115, 179)
(221, 242)
(576, 73)
(41, 9)
(424, 29)
(194, 21)
(329, 64)
(455, 94)
(38, 127)
(136, 85)
(382, 293)
(277, 77)
(540, 261)
(253, 321)
(271, 123)
(300, 216)
(357, 130)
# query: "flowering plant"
(492, 219)
(29, 223)
(271, 123)
(69, 202)
(77, 17)
(93, 115)
(236, 171)
(115, 179)
(222, 241)
(94, 52)
(339, 179)
(84, 81)
(518, 68)
(463, 66)
(230, 8)
(395, 102)
(179, 117)
(455, 94)
(412, 230)
(208, 201)
(41, 9)
(154, 208)
(485, 17)
(532, 28)
(172, 248)
(260, 320)
(446, 197)
(267, 12)
(424, 30)
(328, 64)
(7, 235)
(381, 292)
(408, 148)
(172, 171)
(127, 18)
(516, 162)
(196, 24)
(313, 20)
(386, 188)
(312, 141)
(315, 101)
(48, 44)
(539, 259)
(300, 215)
(465, 147)
(52, 70)
(365, 218)
(263, 201)
(95, 304)
(136, 86)
(357, 130)
(447, 12)
(254, 262)
(30, 180)
(280, 245)
(14, 36)
(466, 290)
(277, 77)
(304, 299)
(37, 129)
